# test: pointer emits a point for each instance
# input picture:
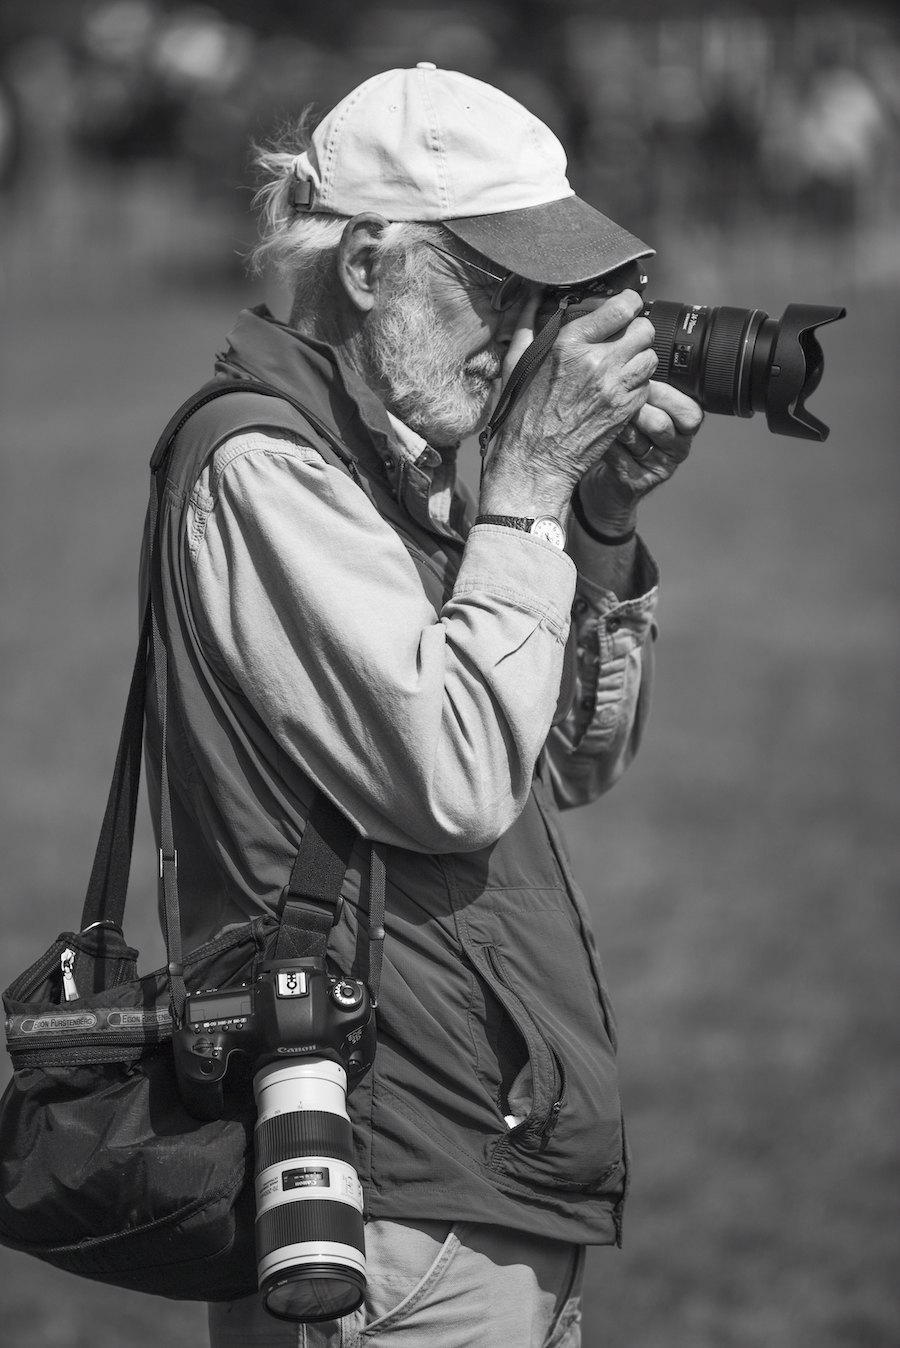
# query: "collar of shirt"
(427, 478)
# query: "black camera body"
(294, 1009)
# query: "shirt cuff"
(521, 570)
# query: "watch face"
(550, 530)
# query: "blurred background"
(124, 124)
(744, 876)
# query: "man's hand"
(594, 380)
(645, 453)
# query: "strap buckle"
(299, 904)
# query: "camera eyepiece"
(740, 361)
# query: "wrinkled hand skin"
(592, 416)
(594, 381)
(645, 453)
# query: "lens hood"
(740, 361)
(795, 369)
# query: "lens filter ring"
(325, 1291)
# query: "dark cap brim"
(560, 243)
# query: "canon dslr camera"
(309, 1036)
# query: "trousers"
(436, 1285)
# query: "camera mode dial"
(347, 995)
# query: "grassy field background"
(743, 877)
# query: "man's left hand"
(644, 454)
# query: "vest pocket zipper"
(556, 1107)
(547, 1072)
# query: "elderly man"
(344, 622)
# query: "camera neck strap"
(311, 903)
(525, 369)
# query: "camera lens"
(740, 361)
(711, 354)
(310, 1238)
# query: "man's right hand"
(595, 378)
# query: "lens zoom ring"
(307, 1219)
(723, 355)
(304, 1132)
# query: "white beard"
(430, 390)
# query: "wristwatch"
(546, 527)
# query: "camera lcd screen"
(222, 1008)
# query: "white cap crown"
(429, 144)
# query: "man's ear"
(358, 264)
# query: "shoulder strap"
(263, 406)
(311, 901)
(108, 883)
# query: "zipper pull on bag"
(67, 965)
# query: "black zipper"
(22, 1044)
(552, 1118)
(556, 1107)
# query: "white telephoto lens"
(310, 1235)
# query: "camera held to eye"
(732, 361)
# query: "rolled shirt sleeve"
(423, 725)
(591, 748)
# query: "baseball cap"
(435, 145)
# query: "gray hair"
(301, 246)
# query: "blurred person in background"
(449, 673)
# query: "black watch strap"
(508, 521)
